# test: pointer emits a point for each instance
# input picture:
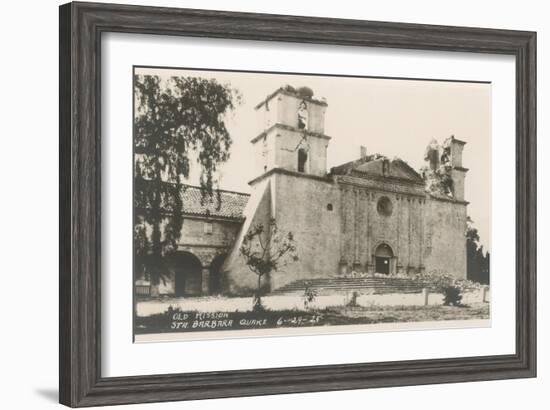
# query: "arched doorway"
(216, 283)
(383, 256)
(187, 274)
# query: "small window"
(329, 207)
(302, 159)
(208, 228)
(384, 206)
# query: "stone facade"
(208, 233)
(369, 215)
(373, 214)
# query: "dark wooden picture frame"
(81, 27)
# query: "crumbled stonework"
(438, 172)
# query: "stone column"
(409, 205)
(371, 266)
(397, 250)
(365, 223)
(393, 265)
(484, 294)
(425, 296)
(422, 205)
(342, 266)
(369, 242)
(356, 217)
(342, 228)
(205, 281)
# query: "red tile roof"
(225, 204)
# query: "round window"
(384, 206)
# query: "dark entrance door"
(383, 255)
(383, 265)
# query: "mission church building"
(373, 214)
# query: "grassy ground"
(390, 314)
(153, 306)
(192, 321)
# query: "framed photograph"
(261, 204)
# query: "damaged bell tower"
(291, 132)
(458, 172)
(444, 174)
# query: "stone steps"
(376, 285)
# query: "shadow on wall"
(48, 394)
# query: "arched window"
(302, 159)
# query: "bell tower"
(453, 149)
(291, 133)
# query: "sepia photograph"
(275, 204)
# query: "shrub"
(452, 296)
(353, 300)
(309, 295)
(451, 287)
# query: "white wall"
(28, 243)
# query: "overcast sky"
(396, 118)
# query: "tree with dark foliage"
(176, 122)
(477, 261)
(266, 250)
